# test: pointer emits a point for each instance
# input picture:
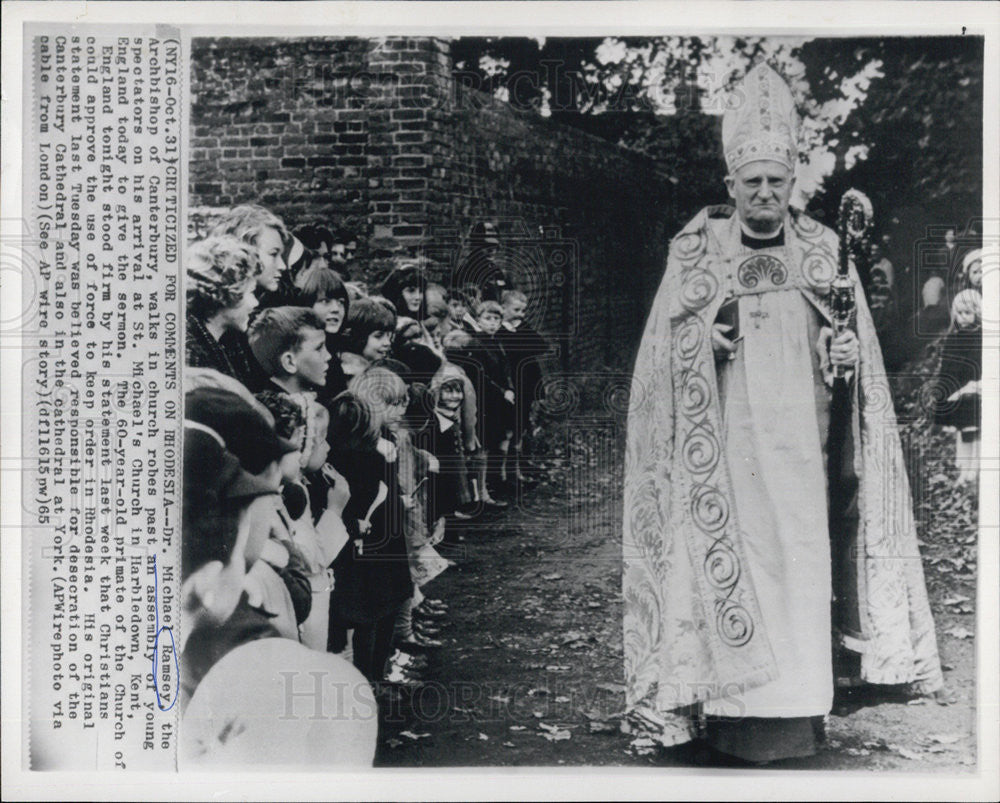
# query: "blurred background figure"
(885, 314)
(881, 262)
(480, 268)
(972, 271)
(932, 319)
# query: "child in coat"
(958, 391)
(372, 576)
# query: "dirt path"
(531, 668)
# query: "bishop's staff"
(854, 224)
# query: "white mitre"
(760, 121)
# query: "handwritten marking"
(156, 648)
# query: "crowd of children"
(332, 437)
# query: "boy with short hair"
(290, 345)
(496, 392)
(466, 309)
(524, 348)
(458, 306)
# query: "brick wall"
(284, 123)
(376, 134)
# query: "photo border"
(455, 19)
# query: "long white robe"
(774, 452)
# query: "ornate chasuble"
(725, 542)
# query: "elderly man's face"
(761, 191)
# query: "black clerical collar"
(762, 242)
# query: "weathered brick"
(408, 137)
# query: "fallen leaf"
(517, 728)
(483, 737)
(597, 726)
(909, 754)
(499, 698)
(855, 751)
(946, 738)
(412, 735)
(955, 600)
(508, 744)
(557, 668)
(538, 714)
(552, 577)
(556, 735)
(393, 743)
(643, 746)
(960, 632)
(561, 699)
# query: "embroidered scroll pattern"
(701, 454)
(761, 268)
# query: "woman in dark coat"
(265, 232)
(221, 277)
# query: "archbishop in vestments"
(765, 559)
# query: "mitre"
(760, 121)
